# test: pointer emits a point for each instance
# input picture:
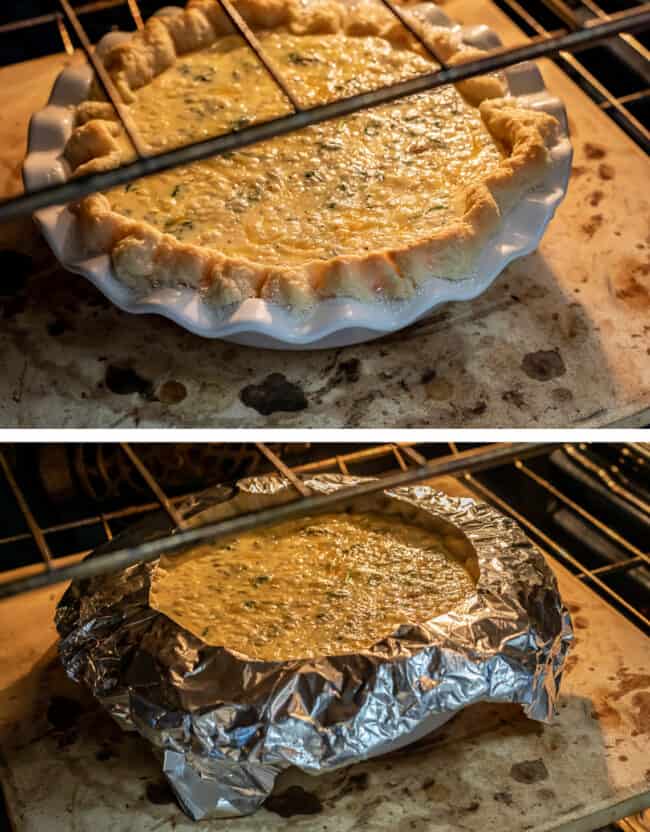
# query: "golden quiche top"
(366, 206)
(326, 585)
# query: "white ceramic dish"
(332, 323)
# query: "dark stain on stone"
(604, 713)
(160, 793)
(623, 758)
(477, 410)
(630, 283)
(124, 381)
(63, 712)
(546, 794)
(105, 753)
(57, 327)
(595, 198)
(641, 701)
(580, 622)
(606, 172)
(356, 783)
(592, 225)
(274, 393)
(578, 170)
(15, 268)
(561, 394)
(295, 801)
(503, 797)
(474, 806)
(428, 783)
(629, 682)
(543, 365)
(427, 376)
(529, 771)
(513, 397)
(349, 371)
(171, 392)
(594, 151)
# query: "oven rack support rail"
(405, 458)
(580, 35)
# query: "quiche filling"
(364, 182)
(326, 585)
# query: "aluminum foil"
(224, 726)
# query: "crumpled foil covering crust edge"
(224, 727)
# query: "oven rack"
(579, 33)
(410, 462)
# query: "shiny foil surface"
(224, 726)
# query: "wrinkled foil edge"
(224, 726)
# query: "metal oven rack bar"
(582, 34)
(626, 45)
(305, 503)
(405, 458)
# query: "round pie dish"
(323, 302)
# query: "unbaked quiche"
(326, 585)
(369, 206)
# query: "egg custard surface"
(326, 585)
(368, 206)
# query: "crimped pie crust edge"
(143, 257)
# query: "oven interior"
(587, 506)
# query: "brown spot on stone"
(171, 392)
(503, 797)
(641, 701)
(580, 622)
(606, 172)
(594, 151)
(592, 225)
(529, 771)
(604, 713)
(474, 806)
(124, 381)
(595, 198)
(543, 365)
(513, 397)
(561, 395)
(623, 758)
(628, 682)
(274, 393)
(631, 284)
(439, 389)
(295, 801)
(546, 794)
(578, 170)
(477, 410)
(160, 793)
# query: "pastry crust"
(144, 257)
